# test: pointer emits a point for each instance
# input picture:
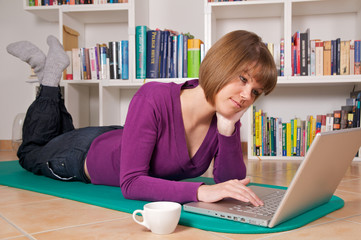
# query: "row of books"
(71, 2)
(278, 53)
(273, 137)
(331, 57)
(99, 62)
(167, 54)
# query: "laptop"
(314, 183)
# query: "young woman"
(172, 131)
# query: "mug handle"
(139, 222)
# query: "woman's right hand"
(236, 189)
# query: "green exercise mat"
(13, 175)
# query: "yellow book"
(288, 137)
(294, 143)
(313, 133)
(260, 125)
(257, 132)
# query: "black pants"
(51, 146)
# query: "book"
(194, 57)
(282, 57)
(329, 122)
(69, 69)
(92, 63)
(125, 59)
(104, 62)
(336, 120)
(76, 64)
(153, 52)
(164, 54)
(357, 57)
(327, 58)
(87, 70)
(333, 57)
(319, 58)
(352, 57)
(185, 56)
(277, 57)
(112, 58)
(180, 52)
(345, 58)
(304, 53)
(119, 58)
(337, 56)
(141, 51)
(297, 53)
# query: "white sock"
(56, 62)
(29, 53)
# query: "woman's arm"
(139, 140)
(229, 168)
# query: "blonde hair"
(235, 53)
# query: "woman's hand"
(236, 189)
(225, 125)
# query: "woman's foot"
(29, 53)
(56, 62)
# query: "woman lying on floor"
(172, 131)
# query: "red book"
(297, 45)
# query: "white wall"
(16, 24)
(15, 93)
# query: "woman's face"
(237, 95)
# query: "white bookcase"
(100, 102)
(105, 102)
(276, 19)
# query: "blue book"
(169, 56)
(125, 59)
(163, 53)
(153, 51)
(357, 57)
(174, 59)
(180, 53)
(185, 56)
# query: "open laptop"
(314, 183)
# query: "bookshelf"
(97, 102)
(104, 102)
(294, 96)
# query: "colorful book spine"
(180, 56)
(319, 58)
(141, 51)
(282, 57)
(194, 60)
(357, 57)
(304, 54)
(125, 59)
(153, 51)
(327, 58)
(119, 59)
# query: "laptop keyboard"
(270, 201)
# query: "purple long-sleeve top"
(149, 156)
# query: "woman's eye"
(256, 93)
(243, 79)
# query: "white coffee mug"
(160, 217)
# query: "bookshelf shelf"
(318, 81)
(247, 9)
(48, 13)
(316, 7)
(104, 13)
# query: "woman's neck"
(195, 108)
